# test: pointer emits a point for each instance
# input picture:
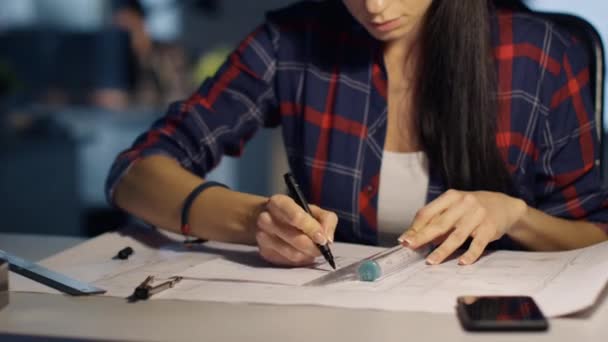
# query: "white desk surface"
(97, 318)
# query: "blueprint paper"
(561, 282)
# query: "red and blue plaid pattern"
(312, 69)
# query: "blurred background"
(80, 79)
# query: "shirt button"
(370, 189)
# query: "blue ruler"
(48, 277)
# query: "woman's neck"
(400, 56)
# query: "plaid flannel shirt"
(313, 70)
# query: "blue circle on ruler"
(369, 270)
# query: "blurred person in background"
(83, 60)
(161, 72)
(128, 15)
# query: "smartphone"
(500, 313)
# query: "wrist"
(222, 214)
(521, 212)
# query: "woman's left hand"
(456, 215)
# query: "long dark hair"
(456, 96)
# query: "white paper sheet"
(562, 283)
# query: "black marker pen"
(296, 194)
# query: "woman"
(439, 121)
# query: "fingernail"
(319, 238)
(432, 260)
(463, 261)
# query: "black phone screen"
(507, 313)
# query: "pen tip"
(332, 263)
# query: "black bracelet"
(185, 227)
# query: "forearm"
(539, 231)
(154, 190)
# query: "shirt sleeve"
(568, 177)
(219, 117)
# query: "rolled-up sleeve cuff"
(122, 165)
(602, 226)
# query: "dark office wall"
(233, 21)
(38, 183)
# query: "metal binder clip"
(145, 290)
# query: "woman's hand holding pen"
(286, 234)
(457, 215)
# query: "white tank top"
(404, 181)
